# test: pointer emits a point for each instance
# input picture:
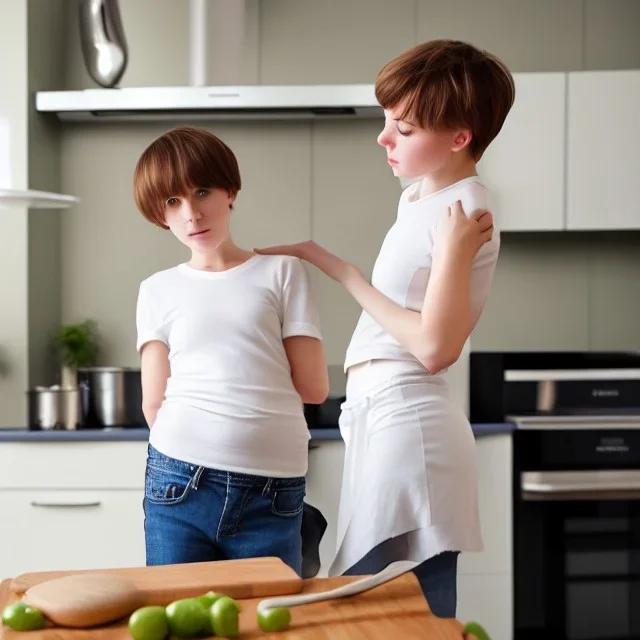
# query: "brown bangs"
(422, 104)
(180, 160)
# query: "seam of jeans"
(224, 507)
(246, 498)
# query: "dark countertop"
(142, 434)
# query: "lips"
(392, 161)
(197, 234)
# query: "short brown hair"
(182, 159)
(449, 84)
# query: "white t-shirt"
(230, 403)
(402, 268)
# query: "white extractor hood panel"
(290, 102)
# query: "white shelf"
(11, 199)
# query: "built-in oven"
(576, 490)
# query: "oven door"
(576, 536)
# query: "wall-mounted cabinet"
(525, 163)
(566, 158)
(602, 150)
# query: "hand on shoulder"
(461, 235)
(314, 254)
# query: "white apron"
(410, 466)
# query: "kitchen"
(567, 278)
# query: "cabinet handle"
(66, 504)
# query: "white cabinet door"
(603, 143)
(73, 465)
(324, 480)
(485, 591)
(495, 498)
(524, 165)
(43, 530)
(487, 600)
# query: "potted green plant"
(76, 346)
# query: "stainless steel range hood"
(193, 103)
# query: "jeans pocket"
(166, 486)
(288, 502)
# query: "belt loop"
(267, 487)
(196, 478)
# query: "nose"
(189, 212)
(384, 139)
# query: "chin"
(201, 243)
(208, 242)
(408, 176)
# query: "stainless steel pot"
(54, 408)
(111, 397)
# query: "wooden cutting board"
(251, 578)
(393, 610)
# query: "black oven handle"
(580, 485)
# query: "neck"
(223, 257)
(464, 168)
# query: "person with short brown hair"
(445, 85)
(178, 160)
(230, 351)
(409, 489)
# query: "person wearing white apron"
(409, 487)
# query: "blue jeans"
(437, 576)
(196, 514)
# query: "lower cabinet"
(487, 599)
(71, 505)
(485, 589)
(324, 480)
(45, 530)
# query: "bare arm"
(154, 371)
(436, 335)
(308, 368)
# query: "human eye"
(404, 131)
(202, 193)
(171, 202)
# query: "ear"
(461, 139)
